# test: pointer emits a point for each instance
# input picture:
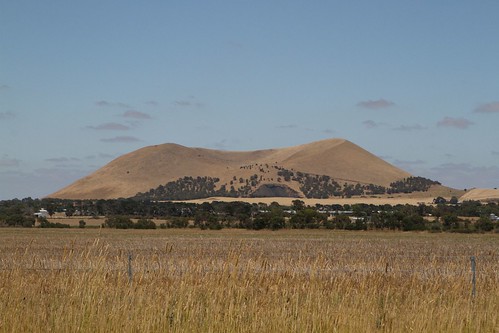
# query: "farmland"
(234, 280)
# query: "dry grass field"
(78, 280)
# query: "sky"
(83, 82)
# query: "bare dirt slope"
(481, 194)
(149, 167)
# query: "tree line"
(468, 216)
(312, 186)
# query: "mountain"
(292, 171)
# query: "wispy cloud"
(409, 128)
(9, 162)
(136, 115)
(372, 124)
(110, 127)
(492, 107)
(328, 131)
(495, 153)
(103, 103)
(6, 115)
(120, 139)
(191, 101)
(376, 104)
(4, 87)
(460, 123)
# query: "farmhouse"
(42, 213)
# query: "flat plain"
(190, 280)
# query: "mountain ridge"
(152, 166)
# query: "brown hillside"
(149, 167)
(481, 194)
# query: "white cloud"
(376, 104)
(136, 115)
(460, 123)
(492, 107)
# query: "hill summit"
(322, 169)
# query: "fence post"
(130, 267)
(473, 276)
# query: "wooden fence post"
(473, 276)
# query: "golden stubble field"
(82, 280)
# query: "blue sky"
(83, 82)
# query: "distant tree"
(413, 222)
(119, 222)
(276, 222)
(450, 221)
(178, 222)
(307, 218)
(260, 222)
(145, 224)
(341, 221)
(484, 224)
(20, 220)
(298, 204)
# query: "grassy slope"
(152, 166)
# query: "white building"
(42, 213)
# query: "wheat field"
(102, 280)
